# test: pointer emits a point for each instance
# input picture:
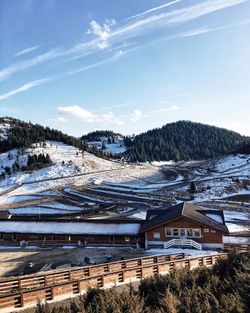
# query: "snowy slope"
(4, 127)
(114, 148)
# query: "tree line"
(243, 147)
(182, 140)
(99, 134)
(23, 135)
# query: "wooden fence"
(237, 247)
(57, 285)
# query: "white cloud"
(170, 109)
(105, 35)
(60, 119)
(175, 17)
(88, 67)
(195, 32)
(235, 125)
(154, 9)
(23, 88)
(16, 67)
(101, 32)
(118, 53)
(27, 50)
(136, 115)
(110, 118)
(200, 31)
(78, 112)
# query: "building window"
(1, 236)
(213, 231)
(157, 235)
(67, 238)
(175, 232)
(189, 232)
(127, 239)
(168, 232)
(206, 230)
(33, 236)
(196, 233)
(89, 237)
(54, 237)
(183, 233)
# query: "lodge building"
(181, 224)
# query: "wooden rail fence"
(56, 285)
(237, 247)
(25, 282)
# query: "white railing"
(182, 242)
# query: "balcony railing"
(182, 242)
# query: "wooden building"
(80, 232)
(182, 224)
(184, 221)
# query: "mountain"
(15, 133)
(100, 135)
(243, 147)
(112, 144)
(183, 140)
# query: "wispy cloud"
(136, 116)
(114, 106)
(171, 18)
(88, 67)
(23, 88)
(16, 67)
(118, 53)
(28, 50)
(110, 118)
(60, 119)
(102, 32)
(111, 34)
(195, 32)
(153, 9)
(44, 80)
(200, 31)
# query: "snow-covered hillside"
(67, 161)
(69, 167)
(4, 128)
(115, 147)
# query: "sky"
(127, 66)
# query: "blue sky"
(129, 66)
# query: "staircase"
(182, 242)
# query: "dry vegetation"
(224, 288)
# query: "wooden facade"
(61, 239)
(185, 228)
(181, 221)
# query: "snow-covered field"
(114, 148)
(188, 252)
(70, 167)
(4, 127)
(217, 178)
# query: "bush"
(223, 288)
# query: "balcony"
(182, 243)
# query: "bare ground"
(14, 261)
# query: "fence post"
(70, 275)
(79, 286)
(21, 299)
(19, 284)
(45, 280)
(52, 293)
